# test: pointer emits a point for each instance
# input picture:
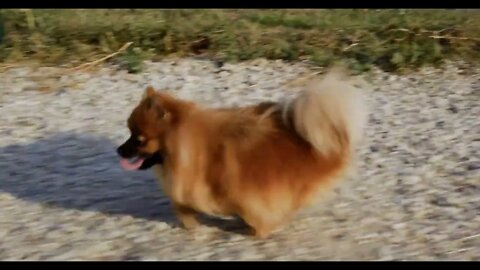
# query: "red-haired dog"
(261, 163)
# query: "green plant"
(394, 40)
(132, 60)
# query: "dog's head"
(148, 123)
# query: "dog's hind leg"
(262, 226)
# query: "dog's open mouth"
(141, 163)
(131, 164)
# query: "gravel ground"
(63, 195)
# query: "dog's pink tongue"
(130, 166)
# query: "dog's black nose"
(120, 152)
(127, 151)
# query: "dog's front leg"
(187, 216)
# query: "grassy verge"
(394, 40)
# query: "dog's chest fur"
(192, 194)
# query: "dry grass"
(394, 40)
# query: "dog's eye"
(141, 139)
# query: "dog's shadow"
(82, 172)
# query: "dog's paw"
(190, 223)
(260, 233)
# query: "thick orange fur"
(262, 162)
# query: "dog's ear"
(164, 105)
(153, 104)
(166, 100)
(149, 92)
(169, 105)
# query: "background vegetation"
(394, 40)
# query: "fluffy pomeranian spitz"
(261, 163)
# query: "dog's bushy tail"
(330, 114)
